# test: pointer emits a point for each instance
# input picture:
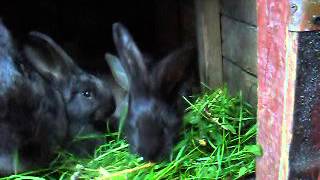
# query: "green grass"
(217, 142)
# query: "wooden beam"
(209, 42)
(276, 88)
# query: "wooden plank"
(209, 42)
(289, 90)
(243, 10)
(239, 80)
(276, 77)
(239, 43)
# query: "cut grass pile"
(217, 142)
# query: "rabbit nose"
(150, 150)
(102, 114)
(149, 154)
(105, 111)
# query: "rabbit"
(155, 106)
(33, 122)
(88, 99)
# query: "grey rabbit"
(46, 101)
(155, 106)
(33, 122)
(88, 99)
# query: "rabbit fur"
(155, 106)
(46, 102)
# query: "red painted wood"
(272, 34)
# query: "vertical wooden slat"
(276, 88)
(209, 41)
(289, 103)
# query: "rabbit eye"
(86, 93)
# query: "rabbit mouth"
(152, 153)
(159, 155)
(103, 113)
(100, 116)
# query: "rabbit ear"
(49, 58)
(9, 72)
(117, 71)
(5, 39)
(173, 70)
(130, 56)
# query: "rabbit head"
(154, 115)
(88, 99)
(33, 124)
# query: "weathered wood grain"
(209, 42)
(276, 78)
(239, 43)
(243, 10)
(238, 80)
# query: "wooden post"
(209, 42)
(273, 87)
(288, 91)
